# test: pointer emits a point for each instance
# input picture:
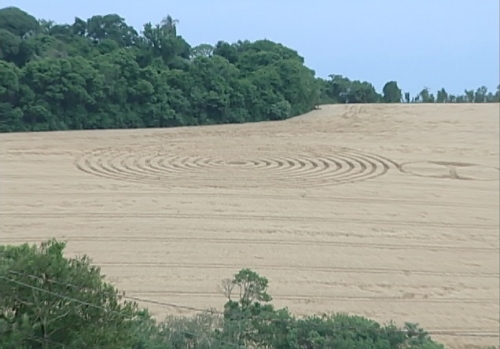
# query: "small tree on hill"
(392, 93)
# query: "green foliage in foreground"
(100, 73)
(49, 301)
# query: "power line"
(448, 332)
(455, 332)
(59, 295)
(112, 294)
(86, 303)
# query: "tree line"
(50, 301)
(339, 89)
(101, 73)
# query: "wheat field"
(391, 212)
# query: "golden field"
(387, 211)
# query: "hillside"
(100, 73)
(390, 212)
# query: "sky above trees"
(451, 43)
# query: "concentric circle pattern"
(158, 166)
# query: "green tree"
(246, 315)
(227, 51)
(426, 96)
(202, 50)
(161, 41)
(9, 46)
(362, 92)
(61, 92)
(337, 88)
(391, 92)
(480, 96)
(47, 299)
(170, 25)
(17, 21)
(407, 97)
(340, 89)
(14, 49)
(251, 288)
(469, 96)
(250, 320)
(496, 97)
(112, 27)
(442, 96)
(11, 116)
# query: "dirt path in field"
(385, 211)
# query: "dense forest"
(50, 301)
(101, 73)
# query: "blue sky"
(445, 43)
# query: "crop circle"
(225, 168)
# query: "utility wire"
(454, 332)
(194, 335)
(449, 332)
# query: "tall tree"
(426, 96)
(496, 98)
(442, 96)
(170, 25)
(480, 96)
(469, 96)
(407, 97)
(392, 93)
